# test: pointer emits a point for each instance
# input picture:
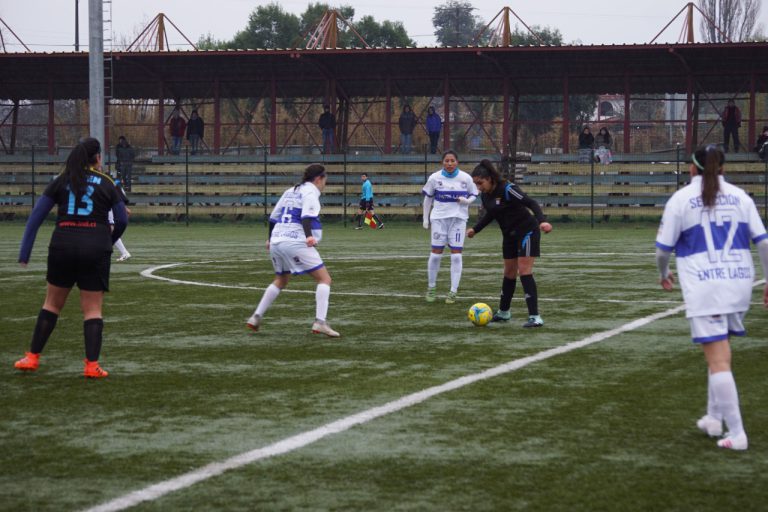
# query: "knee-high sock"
(727, 400)
(377, 219)
(711, 403)
(433, 267)
(92, 330)
(270, 294)
(507, 292)
(322, 298)
(457, 264)
(121, 247)
(46, 322)
(359, 218)
(531, 294)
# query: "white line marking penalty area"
(303, 439)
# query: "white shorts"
(448, 232)
(294, 257)
(705, 329)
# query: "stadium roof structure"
(538, 70)
(505, 71)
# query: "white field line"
(303, 439)
(150, 274)
(385, 257)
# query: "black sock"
(507, 292)
(359, 220)
(92, 332)
(46, 322)
(377, 219)
(531, 295)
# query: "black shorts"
(366, 204)
(88, 268)
(521, 245)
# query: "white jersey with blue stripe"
(295, 204)
(446, 191)
(714, 262)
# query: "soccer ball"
(480, 314)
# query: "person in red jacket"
(177, 126)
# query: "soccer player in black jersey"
(80, 249)
(521, 230)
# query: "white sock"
(433, 267)
(270, 294)
(712, 411)
(727, 400)
(456, 267)
(322, 298)
(121, 247)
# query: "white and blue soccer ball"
(480, 314)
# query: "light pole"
(77, 25)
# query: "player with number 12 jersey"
(712, 247)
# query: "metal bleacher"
(172, 187)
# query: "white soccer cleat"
(253, 322)
(738, 442)
(324, 328)
(710, 426)
(124, 257)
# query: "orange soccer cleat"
(93, 370)
(28, 363)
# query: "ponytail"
(709, 163)
(486, 170)
(310, 173)
(79, 160)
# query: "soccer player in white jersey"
(294, 231)
(448, 194)
(709, 224)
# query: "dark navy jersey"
(82, 221)
(511, 208)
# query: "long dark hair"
(79, 160)
(486, 170)
(310, 173)
(709, 162)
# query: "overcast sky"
(48, 25)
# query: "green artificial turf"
(610, 426)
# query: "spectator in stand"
(586, 143)
(586, 139)
(603, 143)
(195, 131)
(761, 146)
(731, 124)
(125, 156)
(177, 126)
(603, 138)
(434, 125)
(327, 123)
(407, 123)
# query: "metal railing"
(247, 186)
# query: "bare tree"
(736, 19)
